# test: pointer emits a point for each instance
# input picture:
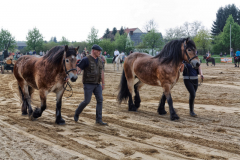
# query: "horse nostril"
(197, 64)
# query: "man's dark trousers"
(88, 90)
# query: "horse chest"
(56, 87)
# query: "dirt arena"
(214, 134)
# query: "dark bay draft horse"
(211, 59)
(162, 70)
(46, 74)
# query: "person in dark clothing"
(92, 76)
(190, 78)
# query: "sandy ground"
(214, 134)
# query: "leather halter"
(189, 59)
(67, 71)
(64, 64)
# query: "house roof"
(136, 37)
(21, 44)
(129, 29)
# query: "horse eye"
(67, 60)
(189, 50)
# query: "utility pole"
(230, 41)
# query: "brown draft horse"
(46, 74)
(161, 70)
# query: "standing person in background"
(92, 65)
(190, 78)
(34, 52)
(116, 53)
(43, 53)
(130, 52)
(231, 52)
(40, 53)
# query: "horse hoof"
(24, 113)
(174, 117)
(31, 118)
(60, 122)
(162, 112)
(133, 109)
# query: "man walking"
(92, 76)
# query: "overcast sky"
(74, 18)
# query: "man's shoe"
(193, 114)
(76, 117)
(101, 123)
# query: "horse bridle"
(189, 59)
(67, 73)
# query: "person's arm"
(103, 83)
(200, 72)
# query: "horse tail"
(123, 93)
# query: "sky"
(74, 19)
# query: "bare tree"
(186, 30)
(150, 25)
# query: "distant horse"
(211, 59)
(162, 70)
(46, 74)
(236, 60)
(117, 61)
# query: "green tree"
(114, 31)
(64, 41)
(108, 46)
(34, 40)
(152, 40)
(81, 45)
(222, 41)
(92, 38)
(49, 45)
(7, 41)
(235, 32)
(221, 17)
(203, 40)
(121, 32)
(218, 45)
(106, 33)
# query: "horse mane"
(55, 55)
(172, 53)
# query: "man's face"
(96, 52)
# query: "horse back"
(25, 70)
(150, 70)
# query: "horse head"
(69, 62)
(189, 53)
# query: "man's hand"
(66, 79)
(202, 77)
(79, 70)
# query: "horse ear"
(77, 48)
(187, 39)
(66, 48)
